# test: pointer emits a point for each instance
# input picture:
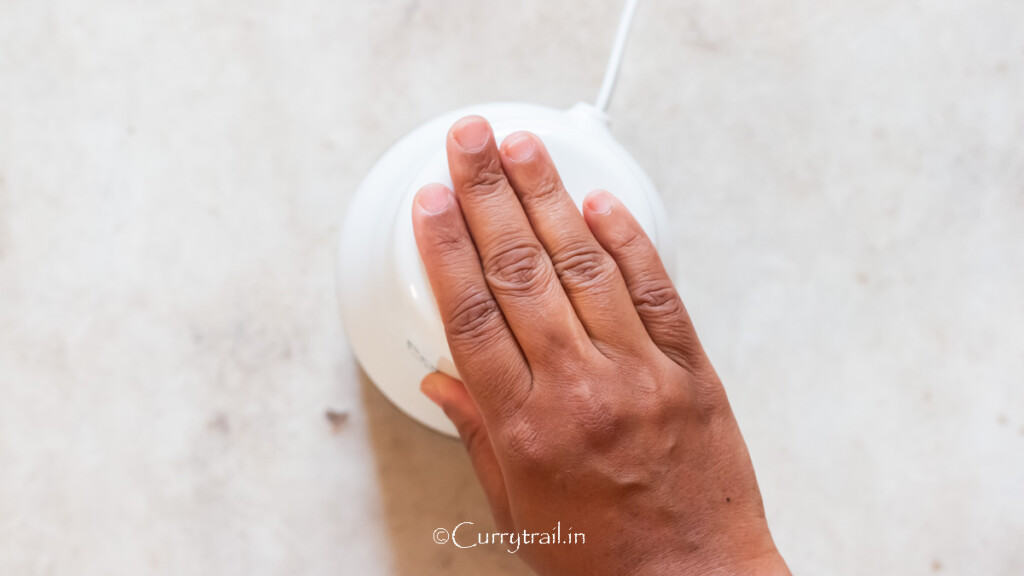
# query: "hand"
(588, 399)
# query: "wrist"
(769, 563)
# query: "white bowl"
(387, 307)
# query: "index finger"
(482, 345)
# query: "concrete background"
(847, 185)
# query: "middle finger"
(588, 274)
(516, 266)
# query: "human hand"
(588, 399)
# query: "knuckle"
(683, 393)
(449, 241)
(474, 317)
(602, 423)
(598, 416)
(546, 190)
(583, 265)
(517, 268)
(657, 298)
(674, 401)
(634, 240)
(527, 447)
(487, 178)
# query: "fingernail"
(471, 133)
(519, 147)
(599, 202)
(433, 198)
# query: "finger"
(653, 294)
(587, 273)
(482, 345)
(452, 397)
(515, 264)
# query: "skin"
(586, 395)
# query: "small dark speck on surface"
(336, 418)
(936, 565)
(219, 423)
(728, 499)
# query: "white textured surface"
(847, 180)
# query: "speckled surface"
(847, 184)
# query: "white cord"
(612, 71)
